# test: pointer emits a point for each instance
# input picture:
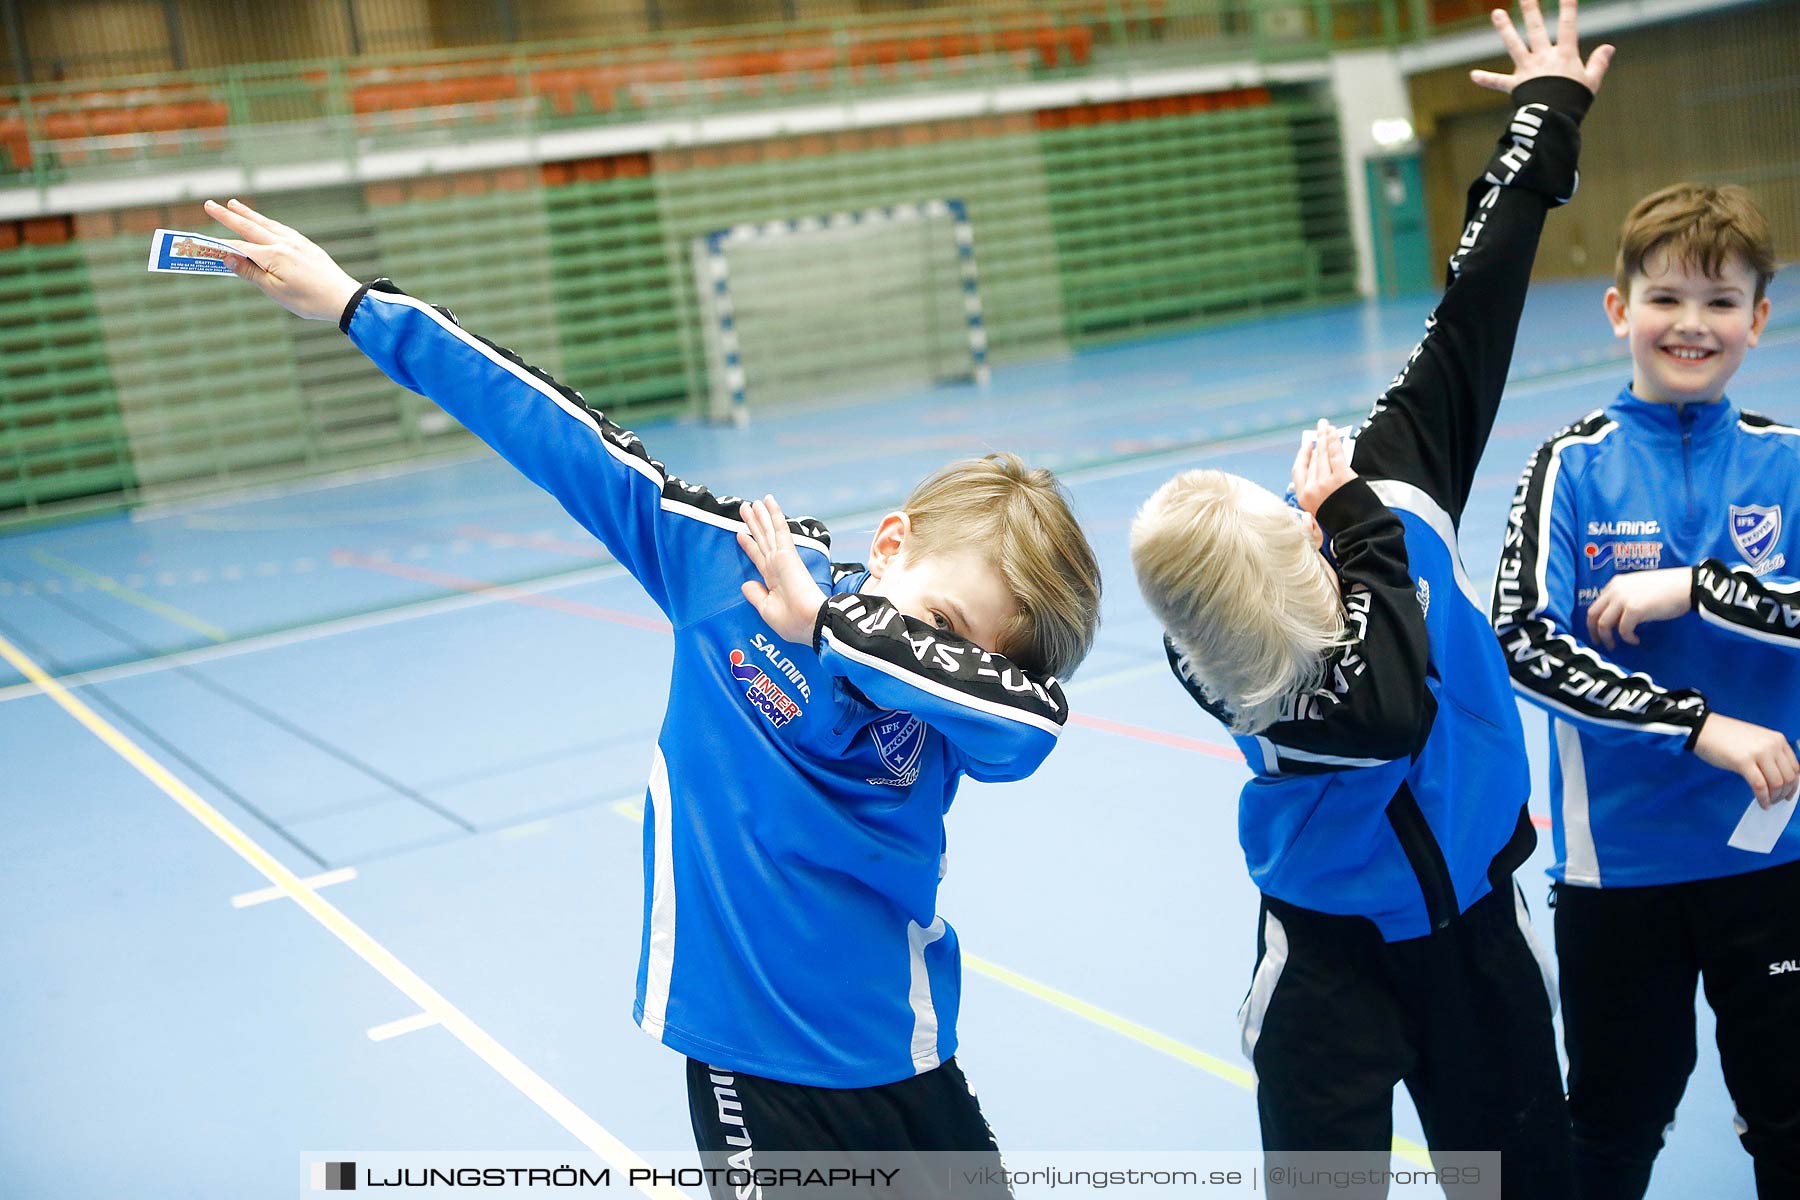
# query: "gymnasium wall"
(1711, 98)
(1092, 223)
(88, 39)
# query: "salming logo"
(1348, 667)
(731, 1117)
(1785, 967)
(1767, 611)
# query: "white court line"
(264, 895)
(508, 1066)
(528, 829)
(404, 1025)
(324, 629)
(1082, 687)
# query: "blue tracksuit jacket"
(794, 822)
(1639, 486)
(1396, 791)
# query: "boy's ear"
(889, 542)
(1759, 320)
(1615, 312)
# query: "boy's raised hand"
(1321, 467)
(788, 598)
(1536, 55)
(1633, 597)
(289, 268)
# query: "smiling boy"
(1646, 590)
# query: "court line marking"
(1144, 733)
(315, 882)
(513, 833)
(1162, 1043)
(476, 587)
(1193, 1056)
(405, 1025)
(502, 539)
(507, 1065)
(114, 588)
(300, 634)
(1082, 687)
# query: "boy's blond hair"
(1242, 591)
(1701, 225)
(1020, 518)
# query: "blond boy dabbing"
(1387, 810)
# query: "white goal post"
(828, 306)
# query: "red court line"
(1539, 822)
(1143, 734)
(477, 587)
(535, 541)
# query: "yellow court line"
(1161, 1042)
(113, 587)
(1409, 1150)
(537, 1089)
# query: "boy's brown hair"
(1702, 225)
(1020, 518)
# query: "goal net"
(821, 307)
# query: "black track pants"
(1630, 958)
(929, 1125)
(1336, 1018)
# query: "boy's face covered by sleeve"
(960, 591)
(1688, 331)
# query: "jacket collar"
(1699, 421)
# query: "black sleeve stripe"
(871, 631)
(1745, 604)
(1757, 423)
(1430, 425)
(1547, 664)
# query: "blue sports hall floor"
(433, 694)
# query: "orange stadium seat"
(15, 142)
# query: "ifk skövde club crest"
(1755, 528)
(899, 739)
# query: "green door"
(1397, 225)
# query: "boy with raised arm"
(1387, 811)
(820, 716)
(1646, 590)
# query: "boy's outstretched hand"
(788, 598)
(1536, 55)
(289, 269)
(1321, 467)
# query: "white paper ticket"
(1760, 828)
(177, 253)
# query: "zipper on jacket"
(1425, 856)
(1687, 459)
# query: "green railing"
(342, 109)
(117, 385)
